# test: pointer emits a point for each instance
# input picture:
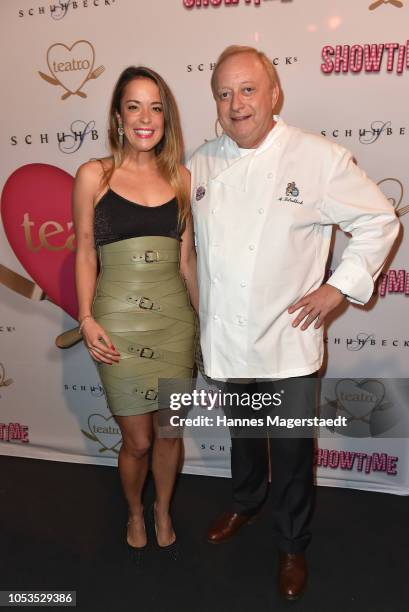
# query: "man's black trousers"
(292, 485)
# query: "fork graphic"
(96, 73)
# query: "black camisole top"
(116, 218)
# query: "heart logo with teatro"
(359, 399)
(37, 219)
(105, 431)
(71, 66)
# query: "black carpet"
(62, 527)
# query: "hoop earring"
(121, 133)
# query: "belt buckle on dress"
(147, 353)
(151, 256)
(151, 394)
(145, 303)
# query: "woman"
(136, 321)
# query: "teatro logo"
(378, 3)
(190, 4)
(106, 434)
(366, 58)
(71, 67)
(5, 381)
(365, 406)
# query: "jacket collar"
(228, 145)
(235, 174)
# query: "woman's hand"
(98, 342)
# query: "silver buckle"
(151, 394)
(151, 256)
(145, 303)
(147, 353)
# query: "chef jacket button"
(214, 210)
(241, 320)
(270, 175)
(260, 211)
(243, 284)
(251, 247)
(215, 279)
(216, 317)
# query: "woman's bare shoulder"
(94, 169)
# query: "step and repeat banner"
(344, 70)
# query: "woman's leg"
(165, 466)
(133, 467)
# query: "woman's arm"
(86, 187)
(188, 265)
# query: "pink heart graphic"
(36, 213)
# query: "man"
(265, 197)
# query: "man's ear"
(275, 95)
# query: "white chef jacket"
(263, 225)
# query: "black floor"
(62, 527)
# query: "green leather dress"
(142, 303)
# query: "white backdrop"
(60, 62)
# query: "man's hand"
(316, 305)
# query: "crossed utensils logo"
(363, 404)
(378, 3)
(69, 72)
(108, 437)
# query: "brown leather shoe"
(292, 575)
(227, 525)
